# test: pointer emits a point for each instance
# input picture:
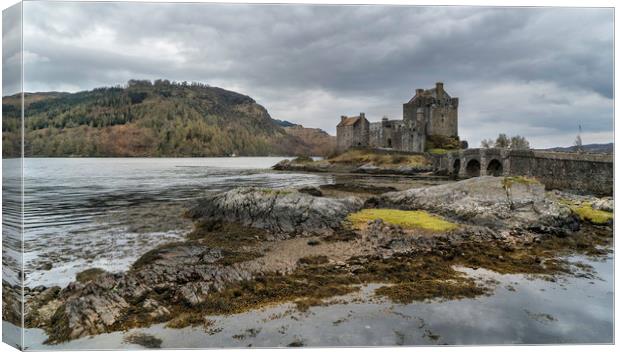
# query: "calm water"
(83, 213)
(106, 212)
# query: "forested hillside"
(147, 119)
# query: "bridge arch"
(495, 168)
(472, 169)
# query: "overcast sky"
(538, 72)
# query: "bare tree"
(519, 142)
(486, 143)
(579, 142)
(502, 141)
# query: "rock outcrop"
(280, 211)
(371, 168)
(184, 273)
(342, 167)
(496, 202)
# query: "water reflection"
(522, 310)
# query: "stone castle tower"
(431, 114)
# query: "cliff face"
(147, 119)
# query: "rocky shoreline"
(368, 168)
(362, 161)
(253, 247)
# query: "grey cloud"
(11, 50)
(313, 63)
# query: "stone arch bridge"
(478, 162)
(578, 171)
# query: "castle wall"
(443, 121)
(344, 137)
(356, 135)
(387, 134)
(375, 135)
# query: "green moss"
(407, 219)
(88, 275)
(585, 212)
(595, 216)
(442, 142)
(438, 151)
(508, 181)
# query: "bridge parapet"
(585, 172)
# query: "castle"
(430, 118)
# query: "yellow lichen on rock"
(595, 216)
(407, 219)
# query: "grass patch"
(362, 156)
(88, 275)
(440, 151)
(442, 142)
(407, 219)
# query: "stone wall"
(591, 173)
(580, 172)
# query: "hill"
(284, 123)
(606, 148)
(147, 119)
(318, 141)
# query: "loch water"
(81, 213)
